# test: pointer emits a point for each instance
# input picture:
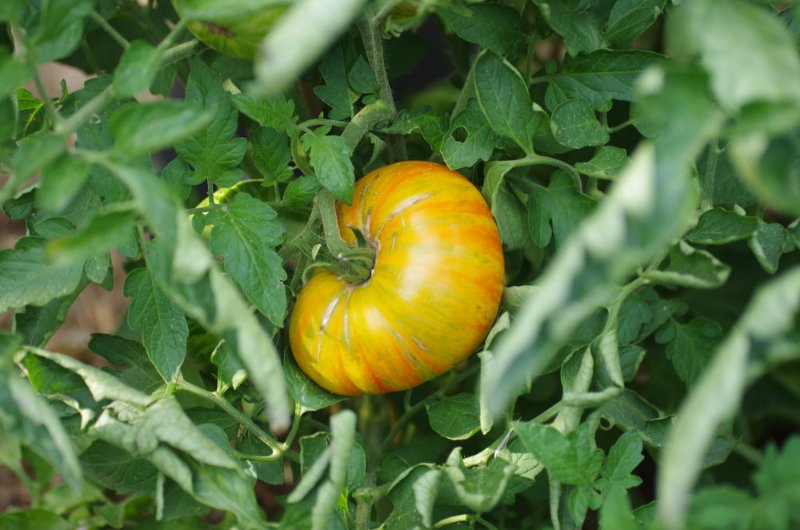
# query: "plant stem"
(371, 34)
(278, 449)
(113, 33)
(179, 52)
(373, 419)
(366, 119)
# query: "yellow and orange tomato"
(433, 294)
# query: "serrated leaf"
(623, 457)
(492, 26)
(630, 18)
(476, 139)
(27, 278)
(507, 209)
(599, 77)
(114, 468)
(215, 149)
(143, 128)
(504, 99)
(275, 112)
(163, 324)
(245, 235)
(575, 125)
(571, 20)
(137, 68)
(606, 163)
(271, 155)
(139, 372)
(301, 191)
(330, 158)
(719, 226)
(455, 417)
(336, 91)
(556, 211)
(571, 459)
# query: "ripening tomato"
(433, 294)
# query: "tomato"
(433, 294)
(238, 35)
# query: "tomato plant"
(399, 264)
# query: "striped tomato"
(433, 294)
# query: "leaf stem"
(84, 114)
(113, 33)
(48, 102)
(363, 122)
(372, 419)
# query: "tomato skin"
(434, 291)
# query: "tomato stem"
(373, 420)
(352, 264)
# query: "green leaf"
(722, 506)
(8, 120)
(767, 245)
(211, 10)
(116, 469)
(623, 458)
(470, 138)
(143, 128)
(478, 488)
(606, 163)
(455, 417)
(301, 191)
(556, 211)
(691, 267)
(729, 34)
(215, 149)
(271, 155)
(431, 125)
(778, 482)
(163, 324)
(330, 158)
(716, 396)
(137, 68)
(275, 112)
(227, 490)
(719, 226)
(166, 420)
(245, 234)
(615, 514)
(27, 278)
(492, 26)
(103, 231)
(504, 99)
(599, 77)
(38, 324)
(768, 168)
(630, 18)
(571, 459)
(62, 180)
(139, 372)
(30, 419)
(571, 20)
(13, 73)
(306, 393)
(336, 92)
(575, 125)
(507, 209)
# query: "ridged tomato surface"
(434, 291)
